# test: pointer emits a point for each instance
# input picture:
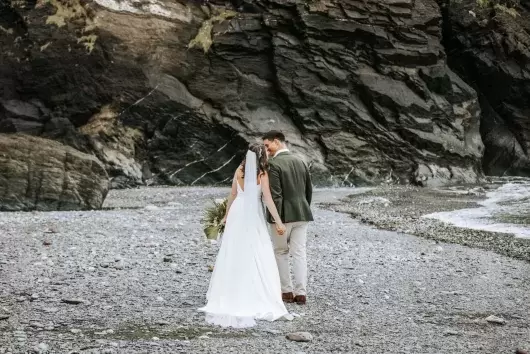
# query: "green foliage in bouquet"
(213, 216)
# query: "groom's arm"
(308, 186)
(276, 187)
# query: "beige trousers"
(292, 242)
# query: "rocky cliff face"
(172, 91)
(41, 174)
(488, 45)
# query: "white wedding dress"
(245, 284)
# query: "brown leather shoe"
(300, 299)
(288, 297)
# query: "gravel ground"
(399, 208)
(130, 278)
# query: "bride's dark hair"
(261, 159)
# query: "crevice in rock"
(482, 47)
(284, 100)
(64, 185)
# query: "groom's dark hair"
(273, 135)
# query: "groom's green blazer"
(291, 188)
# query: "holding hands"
(280, 228)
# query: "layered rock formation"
(488, 44)
(173, 91)
(41, 174)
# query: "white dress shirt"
(280, 151)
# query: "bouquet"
(213, 217)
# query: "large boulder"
(172, 91)
(488, 44)
(41, 174)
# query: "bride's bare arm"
(267, 198)
(232, 196)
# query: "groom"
(291, 189)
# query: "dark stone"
(73, 301)
(123, 182)
(10, 125)
(41, 174)
(21, 109)
(489, 47)
(361, 89)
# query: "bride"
(245, 284)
